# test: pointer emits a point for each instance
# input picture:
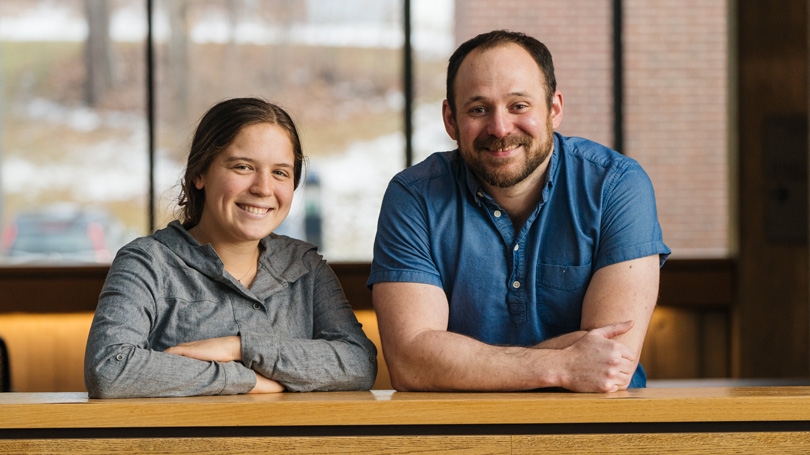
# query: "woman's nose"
(262, 185)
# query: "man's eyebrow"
(477, 98)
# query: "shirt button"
(497, 213)
(480, 194)
(256, 306)
(517, 247)
(516, 284)
(119, 357)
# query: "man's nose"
(500, 124)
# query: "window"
(335, 66)
(73, 168)
(74, 148)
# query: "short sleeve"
(402, 247)
(630, 227)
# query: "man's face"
(502, 122)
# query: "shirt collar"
(281, 256)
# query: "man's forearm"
(562, 341)
(442, 361)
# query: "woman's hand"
(264, 385)
(224, 349)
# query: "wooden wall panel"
(771, 328)
(474, 445)
(46, 351)
(683, 343)
(688, 336)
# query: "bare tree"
(98, 51)
(177, 11)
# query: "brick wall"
(676, 96)
(676, 115)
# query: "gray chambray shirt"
(165, 289)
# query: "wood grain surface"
(711, 404)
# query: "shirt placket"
(516, 296)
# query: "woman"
(216, 304)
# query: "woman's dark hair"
(484, 41)
(216, 131)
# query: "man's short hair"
(484, 41)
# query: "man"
(524, 259)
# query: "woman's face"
(249, 186)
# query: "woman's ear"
(198, 182)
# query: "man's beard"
(491, 171)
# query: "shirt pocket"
(560, 292)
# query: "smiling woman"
(216, 303)
(245, 189)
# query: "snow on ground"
(431, 21)
(352, 183)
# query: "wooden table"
(760, 420)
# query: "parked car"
(64, 233)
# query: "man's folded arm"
(422, 355)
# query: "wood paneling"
(46, 351)
(50, 289)
(770, 328)
(689, 283)
(700, 284)
(46, 330)
(475, 445)
(720, 420)
(687, 343)
(761, 443)
(76, 289)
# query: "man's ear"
(556, 110)
(449, 121)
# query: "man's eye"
(477, 110)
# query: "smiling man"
(524, 259)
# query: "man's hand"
(264, 385)
(597, 363)
(224, 349)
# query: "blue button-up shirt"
(438, 226)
